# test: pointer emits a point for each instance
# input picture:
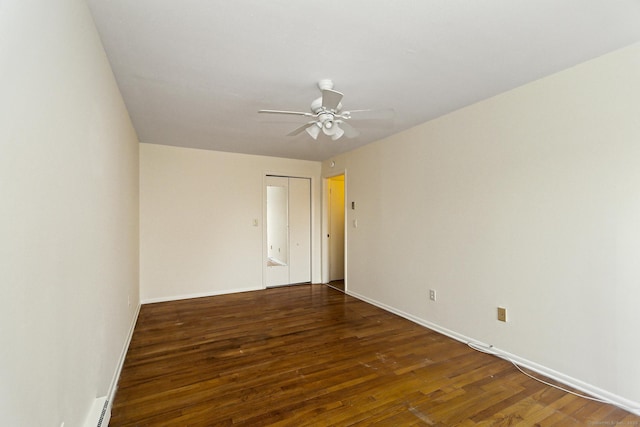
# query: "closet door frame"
(268, 275)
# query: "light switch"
(355, 223)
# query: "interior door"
(299, 230)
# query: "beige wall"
(529, 200)
(68, 215)
(197, 212)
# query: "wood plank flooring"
(309, 355)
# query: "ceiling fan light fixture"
(329, 129)
(334, 131)
(338, 134)
(314, 131)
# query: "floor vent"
(100, 413)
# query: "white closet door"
(299, 230)
(277, 231)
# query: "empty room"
(319, 213)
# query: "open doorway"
(336, 232)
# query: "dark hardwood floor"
(311, 355)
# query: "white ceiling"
(193, 73)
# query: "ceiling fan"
(326, 113)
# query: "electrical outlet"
(502, 314)
(432, 294)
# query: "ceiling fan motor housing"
(316, 106)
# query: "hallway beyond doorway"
(337, 284)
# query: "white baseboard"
(597, 392)
(199, 295)
(123, 354)
(624, 403)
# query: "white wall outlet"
(432, 294)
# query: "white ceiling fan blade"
(300, 129)
(331, 99)
(295, 113)
(349, 131)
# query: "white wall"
(197, 209)
(68, 215)
(529, 200)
